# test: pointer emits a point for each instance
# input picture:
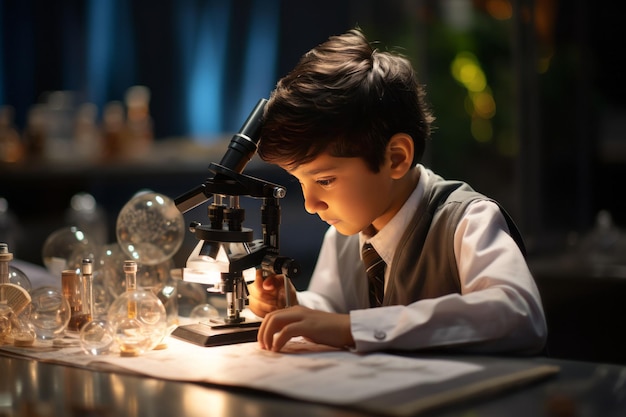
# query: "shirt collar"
(386, 240)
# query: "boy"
(350, 123)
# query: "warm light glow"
(484, 104)
(462, 59)
(499, 9)
(207, 270)
(201, 276)
(479, 102)
(466, 70)
(196, 400)
(213, 278)
(473, 78)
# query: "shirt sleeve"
(334, 286)
(324, 288)
(499, 308)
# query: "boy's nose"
(312, 204)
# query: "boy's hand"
(279, 326)
(267, 294)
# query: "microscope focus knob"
(193, 225)
(291, 268)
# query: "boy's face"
(345, 193)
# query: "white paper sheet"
(303, 370)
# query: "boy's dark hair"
(346, 98)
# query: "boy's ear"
(400, 154)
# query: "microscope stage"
(205, 334)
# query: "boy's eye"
(325, 182)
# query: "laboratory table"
(40, 389)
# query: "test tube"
(130, 270)
(5, 310)
(87, 272)
(5, 258)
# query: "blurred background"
(101, 99)
(110, 97)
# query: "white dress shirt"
(499, 308)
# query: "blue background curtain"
(206, 62)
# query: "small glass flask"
(96, 337)
(50, 313)
(137, 317)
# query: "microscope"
(227, 254)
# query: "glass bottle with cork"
(72, 286)
(13, 300)
(137, 316)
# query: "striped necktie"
(375, 268)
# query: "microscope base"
(203, 334)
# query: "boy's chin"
(346, 231)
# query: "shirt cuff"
(373, 330)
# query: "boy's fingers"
(281, 338)
(271, 282)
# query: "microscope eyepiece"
(243, 144)
(241, 149)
